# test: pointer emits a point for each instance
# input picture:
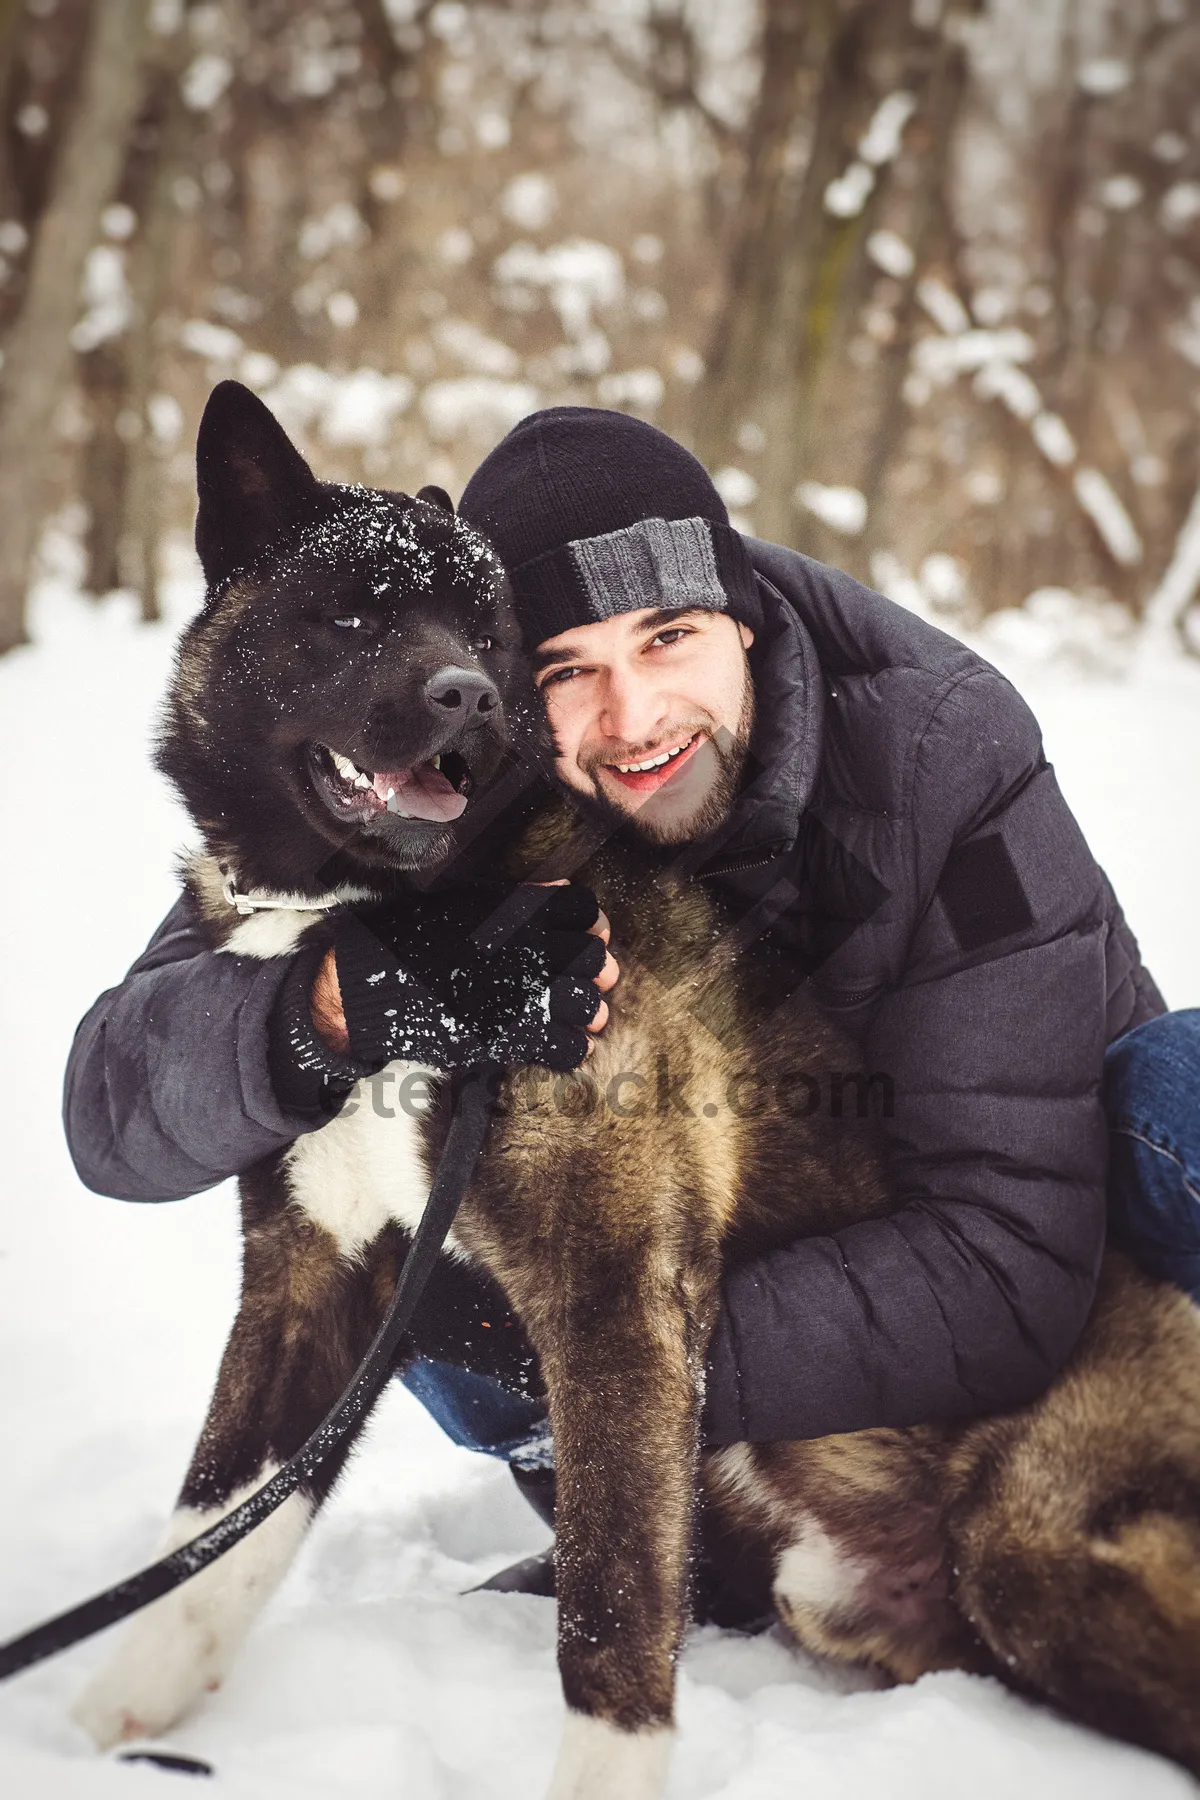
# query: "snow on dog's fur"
(1058, 1548)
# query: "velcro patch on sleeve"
(982, 893)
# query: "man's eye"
(672, 635)
(559, 675)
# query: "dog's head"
(350, 686)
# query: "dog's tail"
(1105, 1623)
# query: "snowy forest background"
(919, 279)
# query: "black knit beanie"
(595, 513)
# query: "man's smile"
(650, 773)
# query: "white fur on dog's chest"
(368, 1166)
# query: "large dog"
(355, 643)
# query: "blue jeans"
(479, 1414)
(1152, 1098)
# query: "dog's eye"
(483, 643)
(348, 623)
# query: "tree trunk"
(10, 18)
(143, 510)
(744, 403)
(806, 373)
(103, 381)
(38, 353)
(122, 470)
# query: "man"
(872, 801)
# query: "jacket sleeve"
(168, 1087)
(970, 1297)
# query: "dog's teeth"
(437, 760)
(362, 781)
(348, 770)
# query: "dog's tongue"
(420, 793)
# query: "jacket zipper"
(737, 864)
(735, 867)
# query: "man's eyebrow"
(662, 615)
(670, 615)
(542, 659)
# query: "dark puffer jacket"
(904, 838)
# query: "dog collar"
(246, 904)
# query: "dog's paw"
(181, 1646)
(160, 1668)
(599, 1761)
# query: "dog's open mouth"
(437, 789)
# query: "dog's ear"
(253, 484)
(437, 496)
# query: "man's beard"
(730, 749)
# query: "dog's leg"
(622, 1363)
(852, 1531)
(307, 1314)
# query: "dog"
(1057, 1547)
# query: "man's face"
(669, 689)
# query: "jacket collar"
(785, 747)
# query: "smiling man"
(651, 714)
(872, 802)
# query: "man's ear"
(253, 484)
(436, 496)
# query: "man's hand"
(330, 1020)
(326, 1004)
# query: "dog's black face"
(349, 687)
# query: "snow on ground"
(371, 1675)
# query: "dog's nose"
(461, 693)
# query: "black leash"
(472, 1104)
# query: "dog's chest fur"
(369, 1166)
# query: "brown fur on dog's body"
(1058, 1547)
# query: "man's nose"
(460, 696)
(633, 711)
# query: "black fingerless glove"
(485, 973)
(310, 1080)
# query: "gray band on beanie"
(661, 563)
(657, 562)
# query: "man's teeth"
(655, 762)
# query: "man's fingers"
(611, 971)
(325, 1003)
(574, 1002)
(601, 927)
(601, 1018)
